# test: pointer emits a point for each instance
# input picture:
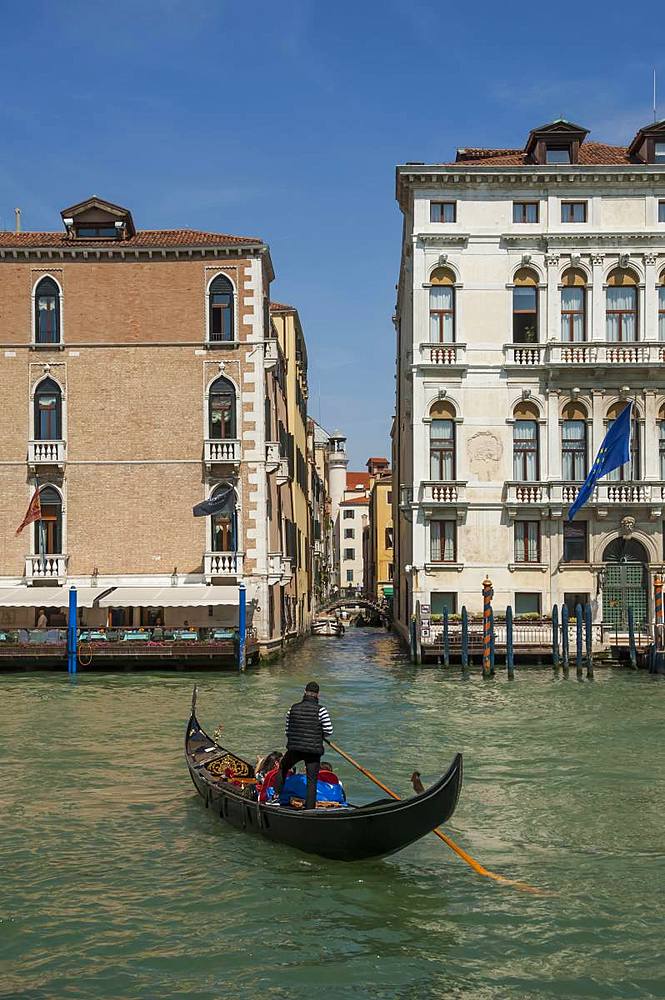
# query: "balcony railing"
(527, 493)
(585, 353)
(443, 355)
(442, 494)
(221, 450)
(46, 452)
(47, 567)
(222, 564)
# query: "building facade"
(531, 310)
(143, 376)
(379, 551)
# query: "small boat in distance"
(226, 783)
(327, 626)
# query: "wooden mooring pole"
(565, 616)
(465, 640)
(510, 658)
(555, 637)
(578, 639)
(589, 641)
(446, 639)
(488, 593)
(631, 640)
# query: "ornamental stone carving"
(597, 259)
(650, 259)
(627, 526)
(485, 451)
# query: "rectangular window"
(443, 599)
(621, 313)
(525, 451)
(221, 317)
(527, 604)
(389, 498)
(575, 541)
(443, 541)
(661, 211)
(442, 211)
(349, 576)
(525, 211)
(349, 532)
(659, 152)
(573, 314)
(525, 314)
(573, 211)
(573, 433)
(572, 600)
(389, 538)
(348, 515)
(98, 232)
(527, 541)
(557, 154)
(442, 450)
(349, 553)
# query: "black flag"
(214, 504)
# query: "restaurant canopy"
(185, 596)
(47, 597)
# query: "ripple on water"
(117, 883)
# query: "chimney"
(17, 212)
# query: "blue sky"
(285, 120)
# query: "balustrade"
(47, 567)
(223, 564)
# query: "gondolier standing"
(307, 723)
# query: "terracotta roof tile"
(143, 238)
(591, 154)
(354, 479)
(364, 501)
(281, 307)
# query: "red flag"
(33, 513)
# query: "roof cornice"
(551, 241)
(427, 174)
(91, 252)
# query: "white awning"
(47, 597)
(185, 596)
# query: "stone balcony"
(441, 496)
(279, 568)
(226, 564)
(46, 453)
(276, 463)
(47, 567)
(218, 451)
(445, 357)
(554, 498)
(595, 353)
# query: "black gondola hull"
(375, 830)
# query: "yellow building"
(289, 333)
(379, 545)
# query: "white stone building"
(531, 308)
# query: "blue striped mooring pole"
(589, 640)
(242, 626)
(72, 632)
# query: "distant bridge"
(354, 602)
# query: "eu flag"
(613, 453)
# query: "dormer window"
(557, 154)
(97, 232)
(659, 152)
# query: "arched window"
(442, 443)
(631, 470)
(442, 306)
(526, 464)
(661, 441)
(47, 312)
(48, 411)
(574, 443)
(573, 305)
(661, 308)
(621, 306)
(225, 520)
(221, 309)
(48, 531)
(222, 410)
(525, 307)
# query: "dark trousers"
(312, 767)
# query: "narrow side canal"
(116, 882)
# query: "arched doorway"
(626, 582)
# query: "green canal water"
(116, 882)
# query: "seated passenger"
(329, 789)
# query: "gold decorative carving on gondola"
(238, 768)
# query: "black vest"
(305, 732)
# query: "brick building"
(141, 375)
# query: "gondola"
(327, 626)
(224, 781)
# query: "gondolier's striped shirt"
(324, 719)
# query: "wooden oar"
(477, 867)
